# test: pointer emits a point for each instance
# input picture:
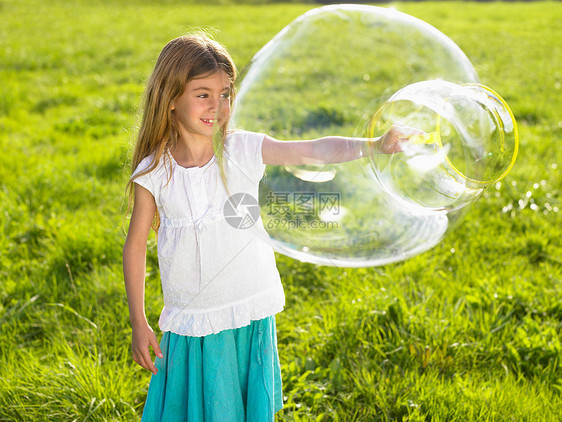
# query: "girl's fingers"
(155, 346)
(140, 360)
(142, 340)
(148, 361)
(142, 357)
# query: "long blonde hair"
(181, 60)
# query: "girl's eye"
(227, 95)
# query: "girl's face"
(204, 104)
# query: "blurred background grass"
(469, 330)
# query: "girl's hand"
(390, 141)
(143, 337)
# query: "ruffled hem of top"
(180, 321)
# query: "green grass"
(468, 331)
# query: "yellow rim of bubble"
(515, 133)
(435, 137)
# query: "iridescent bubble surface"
(471, 142)
(329, 72)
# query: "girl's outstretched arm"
(334, 149)
(134, 268)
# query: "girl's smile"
(204, 103)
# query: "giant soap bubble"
(339, 70)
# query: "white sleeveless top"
(217, 273)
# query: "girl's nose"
(214, 104)
(219, 106)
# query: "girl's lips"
(208, 122)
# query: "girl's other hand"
(143, 337)
(390, 141)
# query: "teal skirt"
(233, 376)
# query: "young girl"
(217, 359)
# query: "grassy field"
(468, 331)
